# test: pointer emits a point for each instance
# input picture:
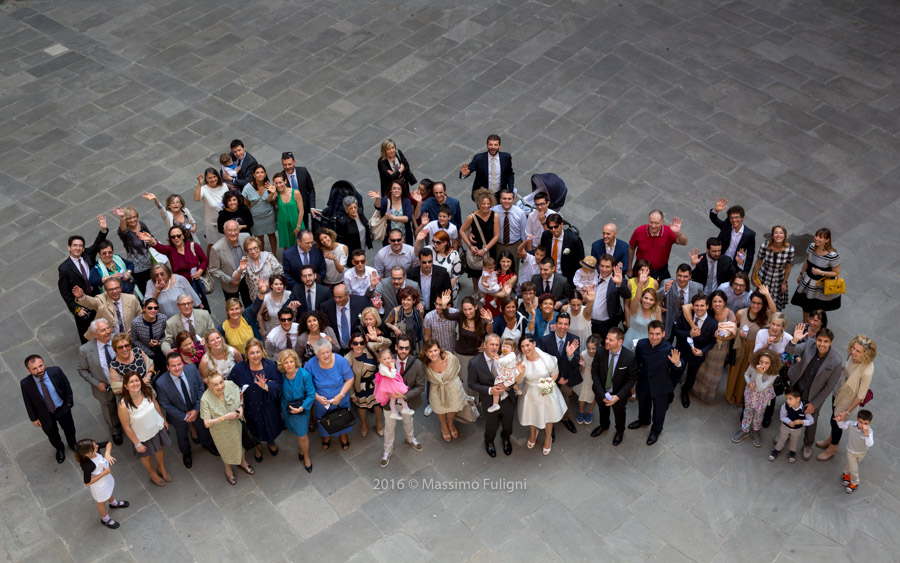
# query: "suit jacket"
(440, 282)
(704, 342)
(725, 269)
(89, 367)
(69, 276)
(221, 263)
(348, 233)
(571, 262)
(203, 322)
(748, 239)
(829, 370)
(105, 309)
(292, 264)
(614, 295)
(620, 254)
(624, 375)
(673, 312)
(479, 165)
(557, 286)
(389, 294)
(480, 380)
(387, 175)
(307, 193)
(414, 377)
(357, 304)
(170, 397)
(244, 175)
(655, 371)
(34, 402)
(568, 369)
(323, 294)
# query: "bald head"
(610, 230)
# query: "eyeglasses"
(396, 279)
(540, 204)
(188, 304)
(285, 155)
(396, 240)
(123, 347)
(174, 237)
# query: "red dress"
(181, 264)
(491, 303)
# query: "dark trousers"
(141, 279)
(83, 324)
(617, 409)
(661, 274)
(61, 417)
(600, 328)
(658, 405)
(183, 434)
(836, 431)
(201, 293)
(502, 419)
(693, 366)
(243, 293)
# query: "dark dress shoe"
(490, 449)
(617, 439)
(652, 438)
(599, 430)
(308, 469)
(188, 461)
(60, 455)
(570, 426)
(765, 422)
(507, 447)
(685, 400)
(117, 439)
(635, 425)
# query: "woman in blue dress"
(259, 194)
(297, 396)
(332, 378)
(262, 409)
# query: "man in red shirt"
(653, 242)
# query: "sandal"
(454, 433)
(345, 445)
(529, 445)
(248, 470)
(364, 432)
(446, 437)
(326, 444)
(380, 432)
(230, 478)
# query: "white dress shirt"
(358, 284)
(517, 223)
(735, 242)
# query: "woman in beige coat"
(447, 396)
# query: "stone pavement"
(790, 108)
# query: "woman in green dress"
(290, 209)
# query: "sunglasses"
(357, 343)
(358, 262)
(426, 263)
(287, 320)
(123, 347)
(285, 155)
(402, 347)
(554, 227)
(396, 240)
(153, 308)
(173, 237)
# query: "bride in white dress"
(537, 410)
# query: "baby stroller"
(556, 191)
(334, 210)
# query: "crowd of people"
(312, 339)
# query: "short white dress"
(535, 409)
(102, 490)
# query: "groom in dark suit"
(493, 169)
(702, 337)
(614, 371)
(482, 372)
(75, 271)
(179, 391)
(564, 347)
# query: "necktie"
(345, 327)
(87, 284)
(184, 391)
(546, 286)
(493, 167)
(402, 367)
(290, 345)
(293, 178)
(107, 349)
(309, 300)
(555, 248)
(682, 297)
(46, 392)
(696, 320)
(561, 346)
(304, 258)
(506, 227)
(191, 328)
(120, 324)
(609, 370)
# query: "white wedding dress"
(536, 409)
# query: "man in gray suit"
(388, 288)
(94, 358)
(815, 375)
(678, 292)
(195, 321)
(227, 262)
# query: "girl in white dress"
(98, 476)
(542, 403)
(585, 390)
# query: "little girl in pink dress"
(388, 382)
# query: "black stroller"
(556, 190)
(334, 210)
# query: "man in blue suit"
(695, 340)
(178, 392)
(300, 255)
(48, 401)
(659, 369)
(611, 245)
(493, 169)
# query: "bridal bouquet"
(546, 385)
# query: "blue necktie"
(345, 327)
(562, 347)
(293, 178)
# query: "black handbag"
(296, 403)
(248, 440)
(782, 382)
(336, 419)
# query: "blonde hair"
(779, 318)
(482, 193)
(868, 346)
(371, 311)
(284, 355)
(655, 295)
(386, 145)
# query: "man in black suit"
(738, 240)
(433, 280)
(299, 179)
(566, 248)
(695, 340)
(343, 314)
(310, 294)
(179, 391)
(614, 373)
(245, 164)
(712, 267)
(481, 376)
(301, 254)
(659, 369)
(75, 271)
(493, 169)
(564, 347)
(605, 300)
(550, 282)
(48, 400)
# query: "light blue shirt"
(54, 396)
